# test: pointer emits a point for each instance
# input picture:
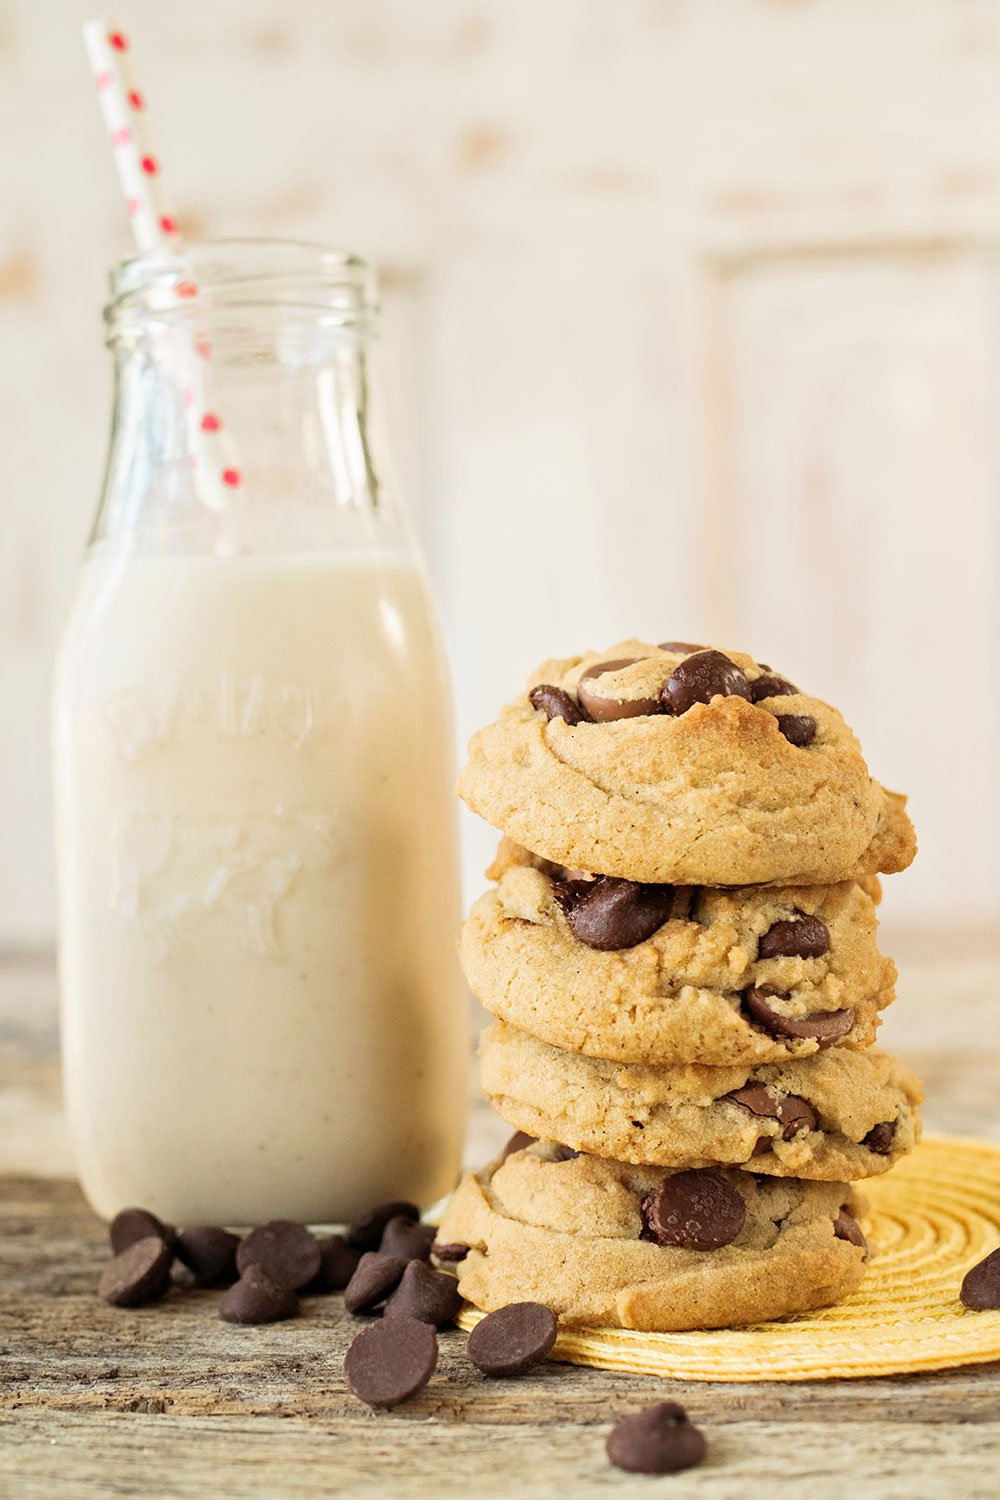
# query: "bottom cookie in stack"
(606, 1244)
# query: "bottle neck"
(243, 417)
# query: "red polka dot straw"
(215, 460)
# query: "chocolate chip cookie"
(750, 975)
(608, 1245)
(660, 764)
(837, 1116)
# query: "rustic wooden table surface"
(170, 1402)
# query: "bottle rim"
(217, 277)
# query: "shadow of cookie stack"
(680, 953)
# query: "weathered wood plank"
(191, 1458)
(169, 1401)
(65, 1351)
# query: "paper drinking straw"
(213, 451)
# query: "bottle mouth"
(332, 288)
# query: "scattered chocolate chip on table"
(140, 1273)
(391, 1361)
(209, 1252)
(430, 1296)
(258, 1298)
(288, 1252)
(407, 1238)
(981, 1287)
(512, 1339)
(660, 1440)
(376, 1276)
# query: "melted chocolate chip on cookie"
(845, 1227)
(450, 1253)
(611, 914)
(519, 1141)
(880, 1138)
(770, 686)
(798, 729)
(694, 1210)
(603, 708)
(823, 1026)
(702, 677)
(803, 937)
(794, 1113)
(682, 648)
(556, 703)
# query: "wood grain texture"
(170, 1402)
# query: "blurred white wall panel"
(690, 330)
(856, 514)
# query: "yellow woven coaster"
(933, 1217)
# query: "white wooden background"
(691, 331)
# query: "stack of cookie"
(680, 952)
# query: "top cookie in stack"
(683, 765)
(680, 953)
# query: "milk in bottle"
(262, 1015)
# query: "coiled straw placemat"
(933, 1217)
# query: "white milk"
(262, 1012)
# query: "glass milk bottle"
(261, 1009)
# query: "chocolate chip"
(138, 1274)
(512, 1339)
(366, 1233)
(134, 1224)
(565, 1153)
(430, 1296)
(823, 1026)
(556, 703)
(391, 1361)
(519, 1141)
(658, 1441)
(794, 1113)
(880, 1138)
(798, 729)
(682, 647)
(407, 1238)
(288, 1252)
(845, 1227)
(770, 686)
(981, 1286)
(258, 1298)
(338, 1263)
(603, 709)
(377, 1275)
(450, 1253)
(210, 1252)
(803, 937)
(695, 1210)
(611, 914)
(702, 677)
